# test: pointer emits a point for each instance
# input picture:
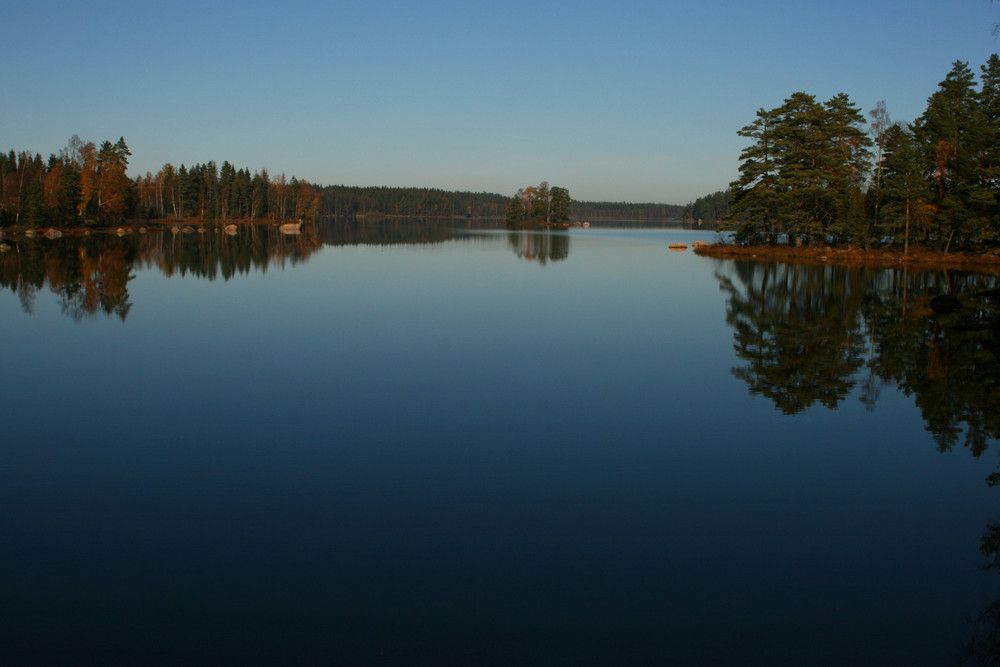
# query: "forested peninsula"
(815, 180)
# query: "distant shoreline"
(136, 226)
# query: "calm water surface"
(382, 444)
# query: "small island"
(539, 206)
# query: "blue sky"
(620, 101)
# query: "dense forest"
(87, 184)
(710, 208)
(410, 202)
(814, 174)
(604, 210)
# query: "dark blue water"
(483, 447)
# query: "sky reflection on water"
(450, 450)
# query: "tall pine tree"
(951, 133)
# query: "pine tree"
(755, 193)
(801, 178)
(951, 133)
(846, 171)
(989, 158)
(561, 203)
(513, 213)
(904, 187)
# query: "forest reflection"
(809, 334)
(90, 274)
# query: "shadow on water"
(808, 335)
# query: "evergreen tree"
(951, 133)
(802, 152)
(801, 178)
(68, 197)
(904, 187)
(560, 206)
(513, 213)
(989, 159)
(846, 171)
(755, 193)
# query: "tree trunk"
(906, 235)
(17, 216)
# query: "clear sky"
(619, 101)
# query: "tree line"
(87, 184)
(710, 208)
(633, 212)
(209, 192)
(814, 174)
(345, 200)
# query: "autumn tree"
(112, 181)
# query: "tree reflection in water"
(541, 245)
(797, 327)
(804, 332)
(90, 274)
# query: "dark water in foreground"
(383, 444)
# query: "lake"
(399, 442)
